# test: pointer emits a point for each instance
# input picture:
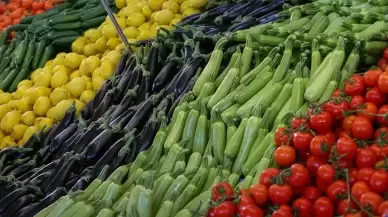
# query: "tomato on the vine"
(378, 150)
(383, 208)
(362, 128)
(326, 173)
(337, 190)
(355, 85)
(358, 189)
(338, 93)
(301, 140)
(320, 147)
(314, 162)
(282, 212)
(323, 207)
(304, 207)
(312, 193)
(382, 117)
(297, 176)
(372, 200)
(379, 181)
(336, 107)
(376, 96)
(225, 209)
(282, 136)
(385, 55)
(356, 102)
(347, 122)
(322, 122)
(383, 79)
(244, 200)
(368, 110)
(222, 190)
(251, 211)
(382, 64)
(259, 193)
(346, 148)
(267, 175)
(371, 77)
(344, 206)
(298, 123)
(285, 155)
(364, 174)
(366, 158)
(280, 194)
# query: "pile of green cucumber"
(40, 37)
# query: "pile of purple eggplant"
(113, 128)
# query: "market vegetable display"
(218, 113)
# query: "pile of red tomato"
(333, 161)
(11, 13)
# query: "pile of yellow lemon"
(74, 78)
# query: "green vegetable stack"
(40, 37)
(223, 129)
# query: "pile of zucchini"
(206, 110)
(41, 37)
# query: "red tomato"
(314, 162)
(280, 194)
(285, 155)
(381, 134)
(304, 207)
(221, 191)
(364, 174)
(323, 207)
(225, 209)
(245, 200)
(311, 193)
(48, 5)
(362, 128)
(347, 148)
(382, 119)
(3, 7)
(385, 53)
(371, 199)
(13, 6)
(358, 189)
(37, 5)
(27, 4)
(355, 85)
(322, 186)
(378, 150)
(16, 21)
(320, 147)
(338, 93)
(345, 164)
(298, 176)
(379, 181)
(356, 214)
(259, 193)
(39, 12)
(331, 138)
(344, 206)
(251, 211)
(322, 122)
(267, 175)
(368, 110)
(336, 108)
(365, 158)
(353, 175)
(301, 140)
(383, 208)
(382, 64)
(326, 173)
(376, 96)
(383, 81)
(347, 122)
(282, 136)
(337, 190)
(282, 212)
(298, 123)
(356, 102)
(371, 77)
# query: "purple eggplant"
(23, 168)
(67, 119)
(187, 73)
(191, 19)
(38, 180)
(92, 131)
(123, 60)
(18, 204)
(164, 75)
(101, 143)
(212, 13)
(145, 86)
(81, 184)
(271, 17)
(15, 195)
(244, 24)
(122, 85)
(153, 62)
(148, 133)
(88, 110)
(62, 137)
(231, 14)
(263, 9)
(105, 103)
(126, 101)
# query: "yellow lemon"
(154, 28)
(87, 95)
(51, 113)
(112, 43)
(35, 73)
(72, 60)
(178, 16)
(86, 78)
(197, 4)
(28, 118)
(43, 79)
(180, 1)
(58, 95)
(109, 31)
(175, 21)
(41, 105)
(120, 3)
(96, 72)
(23, 105)
(7, 142)
(25, 83)
(4, 109)
(130, 9)
(90, 49)
(5, 98)
(141, 4)
(13, 104)
(113, 56)
(122, 22)
(76, 86)
(171, 5)
(29, 132)
(120, 47)
(18, 131)
(97, 82)
(48, 63)
(10, 120)
(144, 35)
(91, 63)
(79, 106)
(131, 32)
(42, 91)
(156, 4)
(190, 11)
(1, 135)
(144, 27)
(146, 11)
(184, 5)
(107, 69)
(49, 68)
(101, 44)
(89, 85)
(61, 55)
(74, 74)
(164, 17)
(60, 68)
(46, 123)
(60, 78)
(136, 19)
(59, 60)
(20, 92)
(61, 108)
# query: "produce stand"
(180, 108)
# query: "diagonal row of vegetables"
(222, 111)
